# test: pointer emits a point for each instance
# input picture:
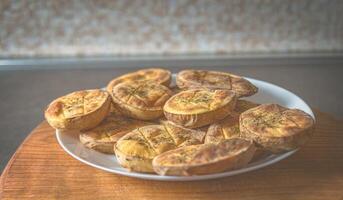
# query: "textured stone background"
(121, 27)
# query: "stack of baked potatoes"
(202, 126)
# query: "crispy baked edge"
(137, 113)
(277, 144)
(224, 164)
(103, 147)
(111, 84)
(133, 163)
(84, 122)
(202, 119)
(184, 84)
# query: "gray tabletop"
(25, 93)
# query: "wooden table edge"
(13, 157)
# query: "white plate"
(268, 93)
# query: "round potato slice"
(79, 110)
(205, 158)
(141, 100)
(157, 75)
(187, 79)
(199, 107)
(276, 128)
(136, 149)
(103, 137)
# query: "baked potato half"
(229, 126)
(80, 110)
(205, 158)
(276, 128)
(224, 129)
(141, 100)
(157, 75)
(103, 137)
(199, 107)
(136, 149)
(187, 79)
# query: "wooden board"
(40, 169)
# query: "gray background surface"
(25, 93)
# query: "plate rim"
(147, 176)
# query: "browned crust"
(277, 144)
(136, 150)
(114, 110)
(83, 122)
(214, 134)
(157, 75)
(197, 135)
(103, 137)
(294, 138)
(204, 158)
(103, 147)
(187, 79)
(134, 163)
(137, 107)
(200, 119)
(229, 126)
(224, 129)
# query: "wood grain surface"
(40, 169)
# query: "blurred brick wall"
(121, 27)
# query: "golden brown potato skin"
(229, 126)
(205, 158)
(142, 101)
(224, 129)
(276, 128)
(199, 107)
(187, 79)
(136, 149)
(103, 137)
(157, 75)
(80, 110)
